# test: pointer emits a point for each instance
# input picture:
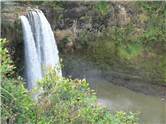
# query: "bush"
(6, 66)
(61, 101)
(17, 105)
(73, 102)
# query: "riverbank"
(76, 65)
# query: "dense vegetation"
(61, 100)
(138, 46)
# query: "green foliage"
(103, 7)
(6, 68)
(65, 98)
(17, 104)
(154, 31)
(117, 42)
(71, 101)
(60, 101)
(154, 36)
(152, 7)
(130, 51)
(123, 118)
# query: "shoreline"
(134, 83)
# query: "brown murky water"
(152, 109)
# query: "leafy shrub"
(130, 51)
(17, 105)
(102, 7)
(73, 102)
(6, 68)
(61, 101)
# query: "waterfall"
(40, 47)
(32, 65)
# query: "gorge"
(101, 62)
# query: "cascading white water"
(32, 65)
(40, 47)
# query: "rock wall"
(67, 19)
(63, 15)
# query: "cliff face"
(63, 15)
(114, 33)
(68, 19)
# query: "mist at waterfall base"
(40, 47)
